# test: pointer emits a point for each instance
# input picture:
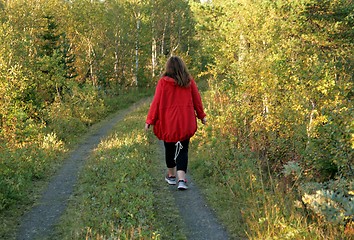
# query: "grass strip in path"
(39, 222)
(121, 193)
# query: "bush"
(32, 142)
(19, 167)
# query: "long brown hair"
(177, 69)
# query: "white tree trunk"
(116, 58)
(243, 48)
(153, 42)
(153, 56)
(137, 50)
(163, 38)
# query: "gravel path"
(200, 222)
(39, 223)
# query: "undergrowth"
(255, 202)
(35, 150)
(250, 203)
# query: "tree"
(281, 85)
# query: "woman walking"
(173, 113)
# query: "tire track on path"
(40, 221)
(199, 220)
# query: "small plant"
(51, 141)
(331, 201)
(292, 169)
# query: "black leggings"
(182, 159)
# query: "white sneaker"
(170, 180)
(182, 185)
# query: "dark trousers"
(182, 159)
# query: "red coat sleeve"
(197, 101)
(154, 108)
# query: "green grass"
(121, 193)
(228, 204)
(26, 170)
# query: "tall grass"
(33, 150)
(252, 201)
(247, 202)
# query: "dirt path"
(40, 221)
(199, 221)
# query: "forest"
(277, 84)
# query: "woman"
(173, 113)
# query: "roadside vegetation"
(64, 66)
(279, 98)
(27, 168)
(277, 156)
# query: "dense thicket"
(281, 85)
(59, 63)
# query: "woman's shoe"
(182, 185)
(170, 180)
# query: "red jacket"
(174, 109)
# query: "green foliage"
(281, 86)
(65, 65)
(81, 109)
(36, 151)
(48, 47)
(331, 201)
(21, 166)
